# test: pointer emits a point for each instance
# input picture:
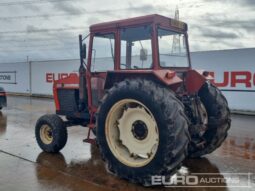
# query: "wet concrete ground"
(23, 166)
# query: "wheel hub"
(46, 134)
(132, 133)
(139, 130)
(204, 119)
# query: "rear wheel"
(135, 140)
(51, 133)
(141, 131)
(217, 120)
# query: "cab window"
(103, 53)
(136, 49)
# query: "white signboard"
(234, 72)
(8, 77)
(14, 77)
(44, 74)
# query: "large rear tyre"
(51, 133)
(219, 121)
(141, 131)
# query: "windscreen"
(172, 49)
(136, 49)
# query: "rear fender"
(195, 79)
(166, 77)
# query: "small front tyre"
(51, 133)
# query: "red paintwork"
(154, 18)
(233, 78)
(194, 80)
(160, 75)
(73, 80)
(163, 77)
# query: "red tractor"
(139, 95)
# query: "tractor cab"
(141, 46)
(153, 46)
(142, 43)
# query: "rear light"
(2, 94)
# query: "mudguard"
(195, 79)
(167, 77)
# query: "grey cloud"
(195, 5)
(225, 22)
(32, 7)
(115, 13)
(240, 2)
(247, 25)
(216, 44)
(233, 44)
(214, 30)
(141, 9)
(68, 7)
(31, 28)
(245, 2)
(93, 20)
(145, 9)
(212, 33)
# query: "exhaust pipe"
(82, 78)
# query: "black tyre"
(51, 133)
(219, 121)
(142, 131)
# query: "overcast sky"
(48, 29)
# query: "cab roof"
(148, 19)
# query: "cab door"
(103, 59)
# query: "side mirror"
(143, 54)
(84, 51)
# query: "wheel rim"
(46, 134)
(132, 133)
(204, 119)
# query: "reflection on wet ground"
(79, 166)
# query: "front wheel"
(51, 133)
(142, 131)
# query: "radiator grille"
(68, 99)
